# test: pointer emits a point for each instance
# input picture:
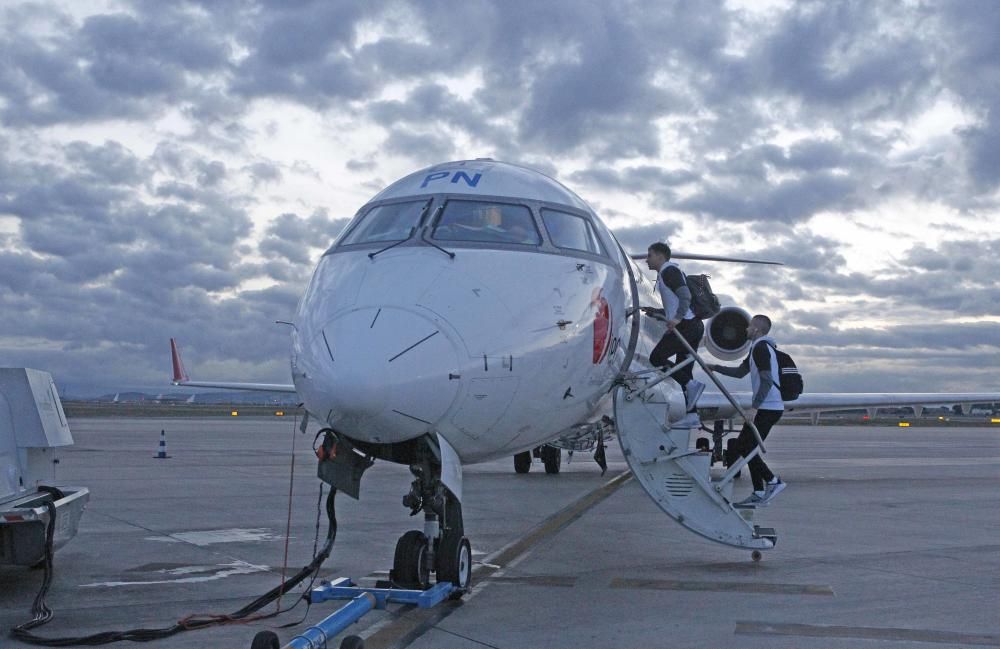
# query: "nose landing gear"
(441, 547)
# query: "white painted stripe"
(220, 571)
(209, 537)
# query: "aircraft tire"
(552, 458)
(454, 559)
(408, 566)
(266, 640)
(522, 462)
(352, 642)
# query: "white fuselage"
(497, 349)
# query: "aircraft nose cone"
(357, 386)
(384, 374)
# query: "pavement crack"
(465, 637)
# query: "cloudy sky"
(176, 169)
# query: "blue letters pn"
(435, 176)
(471, 182)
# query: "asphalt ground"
(888, 537)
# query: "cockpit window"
(571, 231)
(392, 222)
(487, 222)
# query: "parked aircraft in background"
(478, 309)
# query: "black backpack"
(789, 379)
(704, 303)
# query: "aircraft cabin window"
(487, 222)
(571, 231)
(392, 222)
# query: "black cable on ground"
(40, 612)
(43, 614)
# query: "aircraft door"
(632, 304)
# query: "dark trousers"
(746, 442)
(692, 330)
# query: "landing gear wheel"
(352, 642)
(756, 556)
(408, 566)
(701, 444)
(265, 640)
(522, 462)
(552, 458)
(454, 564)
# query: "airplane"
(478, 309)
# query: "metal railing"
(757, 450)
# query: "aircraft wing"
(181, 378)
(716, 405)
(690, 255)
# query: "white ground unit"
(32, 427)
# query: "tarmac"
(887, 537)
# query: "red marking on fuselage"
(602, 328)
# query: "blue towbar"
(361, 601)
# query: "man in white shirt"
(676, 297)
(766, 408)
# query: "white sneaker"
(693, 392)
(690, 420)
(772, 490)
(751, 502)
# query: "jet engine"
(726, 334)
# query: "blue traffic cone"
(162, 453)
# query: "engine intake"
(726, 334)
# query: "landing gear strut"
(441, 547)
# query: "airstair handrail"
(722, 388)
(664, 375)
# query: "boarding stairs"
(678, 478)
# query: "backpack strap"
(774, 348)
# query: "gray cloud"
(360, 165)
(639, 179)
(264, 172)
(297, 240)
(110, 66)
(636, 239)
(765, 121)
(787, 201)
(420, 146)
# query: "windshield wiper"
(423, 232)
(371, 255)
(434, 245)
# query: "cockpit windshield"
(487, 222)
(571, 231)
(391, 222)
